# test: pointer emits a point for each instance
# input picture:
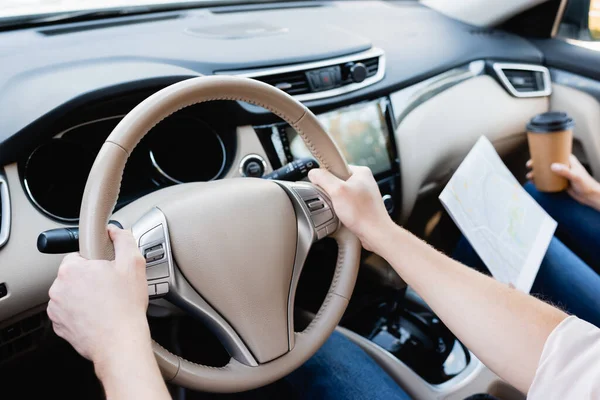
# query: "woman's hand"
(357, 202)
(583, 187)
(98, 306)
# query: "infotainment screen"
(360, 131)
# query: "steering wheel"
(228, 252)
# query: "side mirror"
(594, 19)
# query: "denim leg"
(578, 225)
(563, 279)
(342, 370)
(569, 283)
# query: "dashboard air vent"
(322, 79)
(524, 80)
(372, 65)
(293, 83)
(4, 212)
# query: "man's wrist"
(381, 234)
(132, 346)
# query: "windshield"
(22, 10)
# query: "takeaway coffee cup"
(550, 138)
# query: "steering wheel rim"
(102, 189)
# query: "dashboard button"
(3, 290)
(253, 169)
(253, 166)
(358, 72)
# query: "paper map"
(505, 226)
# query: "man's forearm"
(504, 328)
(129, 371)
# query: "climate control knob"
(358, 72)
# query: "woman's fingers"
(529, 163)
(563, 170)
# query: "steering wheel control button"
(322, 217)
(315, 204)
(253, 166)
(154, 253)
(157, 271)
(318, 208)
(151, 290)
(152, 236)
(321, 233)
(331, 228)
(162, 288)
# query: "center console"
(363, 133)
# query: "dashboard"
(405, 92)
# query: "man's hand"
(583, 187)
(357, 202)
(100, 306)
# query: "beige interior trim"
(433, 139)
(27, 273)
(585, 110)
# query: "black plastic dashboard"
(47, 72)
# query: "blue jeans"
(342, 370)
(339, 370)
(564, 278)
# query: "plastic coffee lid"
(552, 121)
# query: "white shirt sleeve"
(569, 367)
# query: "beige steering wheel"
(228, 252)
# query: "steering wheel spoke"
(152, 236)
